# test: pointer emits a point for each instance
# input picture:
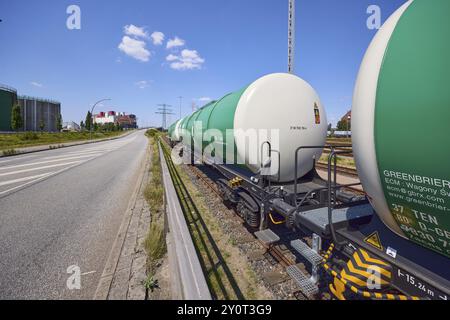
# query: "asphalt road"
(63, 208)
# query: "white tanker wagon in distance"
(394, 241)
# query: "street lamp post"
(348, 126)
(92, 116)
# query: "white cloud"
(142, 84)
(187, 60)
(204, 99)
(157, 38)
(138, 32)
(171, 57)
(176, 42)
(135, 48)
(36, 84)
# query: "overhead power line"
(164, 110)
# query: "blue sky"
(226, 44)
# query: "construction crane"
(291, 36)
(164, 110)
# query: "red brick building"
(127, 121)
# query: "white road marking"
(39, 179)
(50, 174)
(69, 154)
(90, 151)
(39, 168)
(4, 183)
(49, 161)
(17, 158)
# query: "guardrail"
(190, 282)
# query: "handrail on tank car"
(270, 156)
(333, 156)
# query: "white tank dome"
(289, 105)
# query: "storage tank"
(281, 102)
(401, 123)
(36, 110)
(8, 97)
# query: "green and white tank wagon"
(279, 108)
(401, 123)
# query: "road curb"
(46, 147)
(107, 277)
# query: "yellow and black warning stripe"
(329, 253)
(236, 182)
(358, 270)
(354, 277)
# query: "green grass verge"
(155, 242)
(30, 139)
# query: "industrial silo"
(36, 110)
(8, 97)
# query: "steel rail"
(342, 170)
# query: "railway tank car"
(400, 134)
(281, 102)
(400, 122)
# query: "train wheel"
(249, 209)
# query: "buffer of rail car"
(190, 281)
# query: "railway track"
(337, 148)
(344, 171)
(353, 173)
(275, 253)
